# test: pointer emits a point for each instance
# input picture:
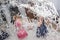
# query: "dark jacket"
(42, 30)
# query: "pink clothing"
(18, 23)
(22, 34)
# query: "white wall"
(56, 3)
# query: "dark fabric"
(15, 9)
(12, 21)
(1, 37)
(4, 19)
(4, 35)
(42, 30)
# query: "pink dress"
(22, 34)
(18, 23)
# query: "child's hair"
(18, 17)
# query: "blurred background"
(57, 5)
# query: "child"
(41, 29)
(18, 22)
(21, 32)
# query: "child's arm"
(39, 23)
